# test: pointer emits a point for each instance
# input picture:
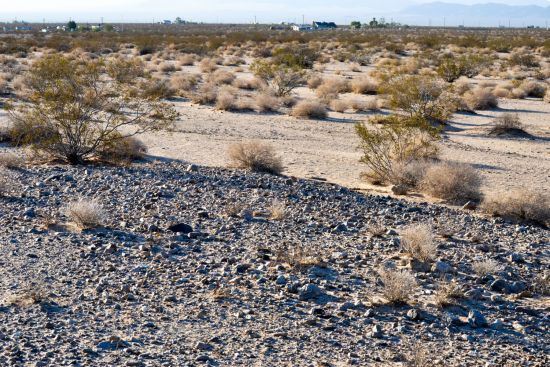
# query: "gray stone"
(476, 319)
(441, 267)
(309, 292)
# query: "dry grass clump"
(547, 96)
(364, 86)
(207, 65)
(126, 149)
(298, 256)
(399, 285)
(11, 161)
(454, 182)
(507, 124)
(519, 205)
(339, 105)
(184, 83)
(480, 99)
(266, 102)
(186, 60)
(157, 88)
(247, 84)
(310, 110)
(486, 267)
(331, 88)
(205, 95)
(6, 183)
(226, 99)
(256, 157)
(85, 213)
(409, 174)
(370, 105)
(533, 89)
(220, 77)
(314, 81)
(501, 92)
(167, 67)
(277, 210)
(418, 241)
(447, 293)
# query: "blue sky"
(341, 11)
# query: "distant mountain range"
(490, 14)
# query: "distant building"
(301, 28)
(324, 25)
(23, 28)
(167, 22)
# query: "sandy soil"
(328, 149)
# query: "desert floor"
(328, 149)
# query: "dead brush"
(519, 205)
(370, 105)
(11, 161)
(182, 84)
(277, 210)
(377, 230)
(298, 256)
(398, 285)
(339, 105)
(206, 94)
(486, 267)
(310, 110)
(455, 182)
(85, 213)
(207, 65)
(447, 293)
(480, 99)
(226, 100)
(256, 157)
(418, 242)
(247, 84)
(364, 86)
(33, 294)
(507, 124)
(221, 77)
(7, 182)
(266, 102)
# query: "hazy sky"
(213, 10)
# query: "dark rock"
(181, 228)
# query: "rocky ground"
(192, 267)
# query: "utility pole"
(303, 19)
(444, 22)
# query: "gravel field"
(205, 266)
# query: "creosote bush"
(455, 182)
(420, 97)
(418, 242)
(519, 205)
(398, 285)
(393, 143)
(85, 213)
(282, 79)
(256, 157)
(73, 111)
